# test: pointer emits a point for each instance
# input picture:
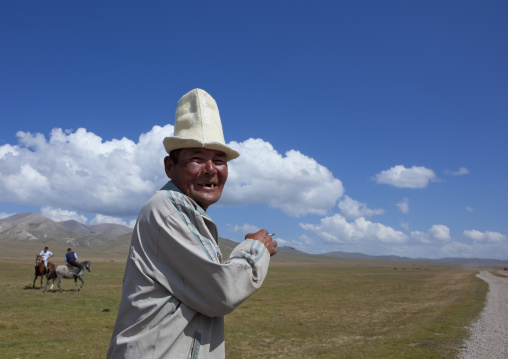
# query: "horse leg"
(33, 285)
(49, 279)
(82, 283)
(75, 284)
(58, 283)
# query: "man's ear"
(168, 166)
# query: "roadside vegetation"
(335, 309)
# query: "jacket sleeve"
(186, 267)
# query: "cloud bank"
(294, 183)
(76, 173)
(80, 172)
(361, 235)
(352, 209)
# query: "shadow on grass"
(29, 287)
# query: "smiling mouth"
(210, 185)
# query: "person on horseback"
(70, 258)
(46, 254)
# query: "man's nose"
(210, 167)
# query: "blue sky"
(366, 126)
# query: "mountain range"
(36, 228)
(29, 226)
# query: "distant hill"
(472, 261)
(108, 230)
(114, 240)
(33, 227)
(461, 261)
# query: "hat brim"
(176, 143)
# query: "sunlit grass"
(315, 310)
(330, 311)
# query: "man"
(70, 258)
(176, 289)
(46, 254)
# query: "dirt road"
(489, 334)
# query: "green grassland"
(316, 309)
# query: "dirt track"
(489, 334)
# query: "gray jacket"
(176, 290)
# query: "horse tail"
(51, 274)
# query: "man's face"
(200, 173)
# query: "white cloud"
(469, 209)
(294, 183)
(7, 150)
(403, 205)
(336, 229)
(455, 249)
(402, 177)
(245, 228)
(461, 171)
(303, 243)
(377, 239)
(24, 184)
(440, 232)
(485, 237)
(352, 209)
(99, 219)
(437, 232)
(421, 237)
(484, 245)
(59, 215)
(79, 171)
(306, 239)
(438, 243)
(84, 174)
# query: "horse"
(63, 271)
(39, 269)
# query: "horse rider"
(46, 254)
(70, 258)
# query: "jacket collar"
(170, 186)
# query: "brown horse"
(39, 269)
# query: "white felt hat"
(197, 124)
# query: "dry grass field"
(335, 309)
(332, 310)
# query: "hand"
(264, 238)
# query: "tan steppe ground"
(306, 309)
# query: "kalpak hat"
(198, 124)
